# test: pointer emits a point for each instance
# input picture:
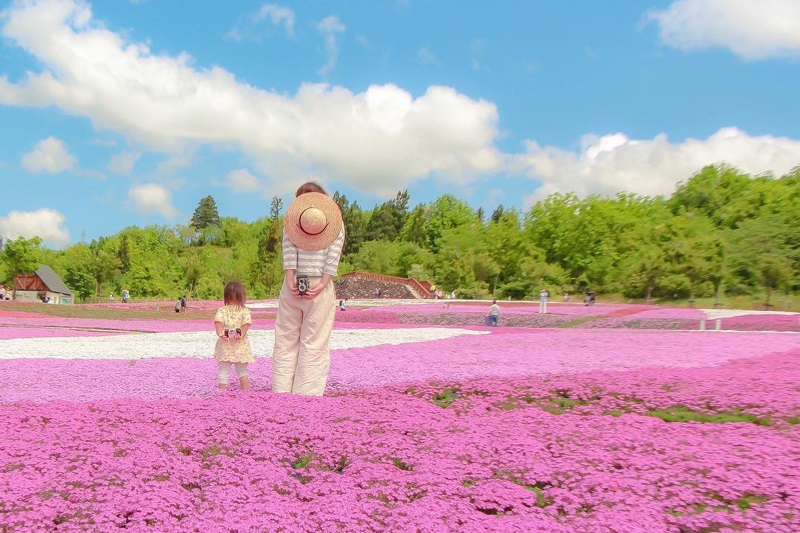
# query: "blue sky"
(123, 112)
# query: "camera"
(302, 285)
(232, 332)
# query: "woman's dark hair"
(310, 186)
(234, 294)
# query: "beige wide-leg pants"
(301, 357)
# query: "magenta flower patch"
(422, 429)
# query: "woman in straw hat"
(313, 237)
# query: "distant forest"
(720, 232)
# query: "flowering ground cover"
(574, 315)
(763, 322)
(422, 429)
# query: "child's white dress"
(233, 350)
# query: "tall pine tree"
(206, 215)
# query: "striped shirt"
(313, 263)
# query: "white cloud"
(104, 142)
(177, 160)
(277, 15)
(614, 163)
(249, 26)
(329, 27)
(379, 140)
(44, 223)
(123, 162)
(426, 57)
(49, 156)
(152, 198)
(241, 180)
(751, 29)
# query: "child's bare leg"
(224, 373)
(244, 379)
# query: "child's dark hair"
(310, 186)
(234, 294)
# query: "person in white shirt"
(494, 314)
(544, 295)
(313, 238)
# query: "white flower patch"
(714, 314)
(201, 343)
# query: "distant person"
(494, 314)
(343, 305)
(178, 305)
(590, 297)
(566, 297)
(232, 322)
(125, 296)
(2, 292)
(313, 237)
(544, 295)
(111, 297)
(183, 304)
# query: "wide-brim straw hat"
(313, 221)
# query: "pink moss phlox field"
(610, 316)
(505, 353)
(762, 322)
(81, 325)
(365, 463)
(551, 430)
(670, 312)
(19, 332)
(761, 390)
(540, 352)
(514, 308)
(642, 323)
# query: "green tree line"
(720, 232)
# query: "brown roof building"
(44, 285)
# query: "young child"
(233, 346)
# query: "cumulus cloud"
(49, 155)
(124, 162)
(752, 30)
(329, 27)
(241, 180)
(248, 27)
(379, 140)
(614, 163)
(44, 223)
(152, 198)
